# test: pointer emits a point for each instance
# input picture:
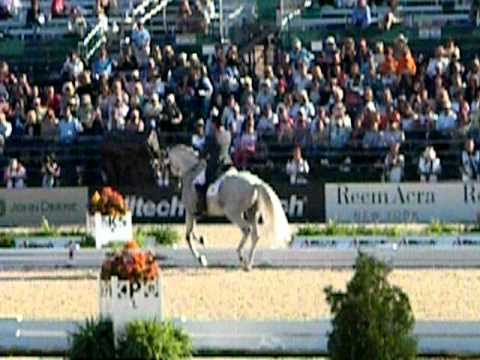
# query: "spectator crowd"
(355, 98)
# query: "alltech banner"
(28, 207)
(157, 205)
(403, 202)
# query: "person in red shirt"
(54, 100)
(390, 64)
(58, 8)
(406, 63)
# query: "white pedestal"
(122, 302)
(106, 229)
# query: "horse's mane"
(187, 149)
(189, 158)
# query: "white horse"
(242, 197)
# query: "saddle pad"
(214, 188)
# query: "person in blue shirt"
(103, 66)
(362, 16)
(299, 53)
(141, 43)
(69, 127)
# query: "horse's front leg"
(199, 239)
(190, 223)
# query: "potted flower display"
(108, 202)
(109, 218)
(130, 287)
(131, 264)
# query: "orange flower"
(108, 202)
(131, 264)
(107, 192)
(96, 198)
(131, 245)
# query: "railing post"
(165, 27)
(222, 35)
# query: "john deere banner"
(404, 202)
(27, 207)
(157, 205)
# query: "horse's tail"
(275, 224)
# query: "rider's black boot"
(201, 200)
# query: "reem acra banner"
(28, 207)
(402, 202)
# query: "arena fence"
(253, 338)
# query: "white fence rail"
(243, 337)
(403, 257)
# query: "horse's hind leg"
(245, 233)
(245, 227)
(255, 238)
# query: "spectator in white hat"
(429, 166)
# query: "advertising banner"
(163, 204)
(28, 207)
(403, 202)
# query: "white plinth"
(106, 229)
(122, 302)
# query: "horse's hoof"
(203, 260)
(247, 268)
(202, 241)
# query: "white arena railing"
(99, 34)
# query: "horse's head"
(180, 159)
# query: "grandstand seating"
(28, 49)
(415, 12)
(158, 25)
(54, 27)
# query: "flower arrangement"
(108, 202)
(132, 264)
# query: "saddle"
(207, 192)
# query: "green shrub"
(153, 340)
(88, 241)
(46, 229)
(93, 340)
(334, 229)
(7, 240)
(141, 236)
(72, 232)
(372, 319)
(164, 235)
(437, 227)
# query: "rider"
(217, 153)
